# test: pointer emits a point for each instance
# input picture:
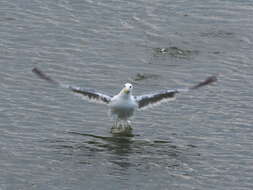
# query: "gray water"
(51, 139)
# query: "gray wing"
(148, 100)
(145, 101)
(89, 94)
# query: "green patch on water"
(143, 76)
(174, 52)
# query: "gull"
(123, 105)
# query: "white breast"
(122, 107)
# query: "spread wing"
(89, 94)
(148, 100)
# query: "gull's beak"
(126, 90)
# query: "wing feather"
(156, 98)
(91, 94)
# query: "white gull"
(123, 105)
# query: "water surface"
(50, 139)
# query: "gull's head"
(128, 88)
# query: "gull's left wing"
(145, 101)
(89, 94)
(150, 100)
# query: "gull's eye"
(130, 86)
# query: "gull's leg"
(115, 123)
(121, 124)
(126, 124)
(118, 123)
(129, 124)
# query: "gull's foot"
(122, 128)
(121, 131)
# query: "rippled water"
(50, 139)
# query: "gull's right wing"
(89, 94)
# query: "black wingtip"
(208, 81)
(43, 76)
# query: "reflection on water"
(125, 151)
(120, 157)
